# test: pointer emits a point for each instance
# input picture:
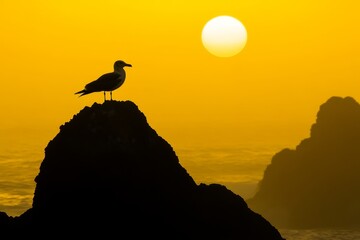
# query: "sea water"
(321, 234)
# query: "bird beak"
(129, 65)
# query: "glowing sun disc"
(224, 36)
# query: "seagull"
(108, 82)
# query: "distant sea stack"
(318, 183)
(108, 174)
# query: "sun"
(224, 36)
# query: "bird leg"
(110, 95)
(104, 96)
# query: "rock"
(108, 173)
(318, 183)
(5, 220)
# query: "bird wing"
(104, 83)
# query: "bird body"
(108, 82)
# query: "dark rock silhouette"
(318, 183)
(108, 173)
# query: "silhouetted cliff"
(318, 183)
(108, 173)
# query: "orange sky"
(298, 55)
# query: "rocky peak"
(107, 173)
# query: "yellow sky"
(298, 54)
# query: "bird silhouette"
(108, 82)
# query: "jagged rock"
(318, 183)
(108, 173)
(5, 220)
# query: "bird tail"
(82, 92)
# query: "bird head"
(120, 64)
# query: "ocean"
(321, 234)
(21, 153)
